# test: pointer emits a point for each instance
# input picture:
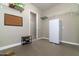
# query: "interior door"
(33, 25)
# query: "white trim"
(70, 43)
(36, 22)
(34, 40)
(43, 38)
(9, 46)
(77, 44)
(39, 38)
(29, 22)
(13, 45)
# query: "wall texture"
(68, 13)
(12, 34)
(70, 22)
(61, 9)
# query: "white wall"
(61, 9)
(45, 28)
(68, 13)
(70, 22)
(12, 34)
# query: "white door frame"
(36, 23)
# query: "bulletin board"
(12, 20)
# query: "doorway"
(33, 26)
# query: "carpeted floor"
(44, 48)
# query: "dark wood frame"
(12, 24)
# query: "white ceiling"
(44, 6)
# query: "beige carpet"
(44, 48)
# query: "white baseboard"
(77, 44)
(9, 46)
(13, 45)
(43, 38)
(39, 38)
(34, 39)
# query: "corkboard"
(12, 20)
